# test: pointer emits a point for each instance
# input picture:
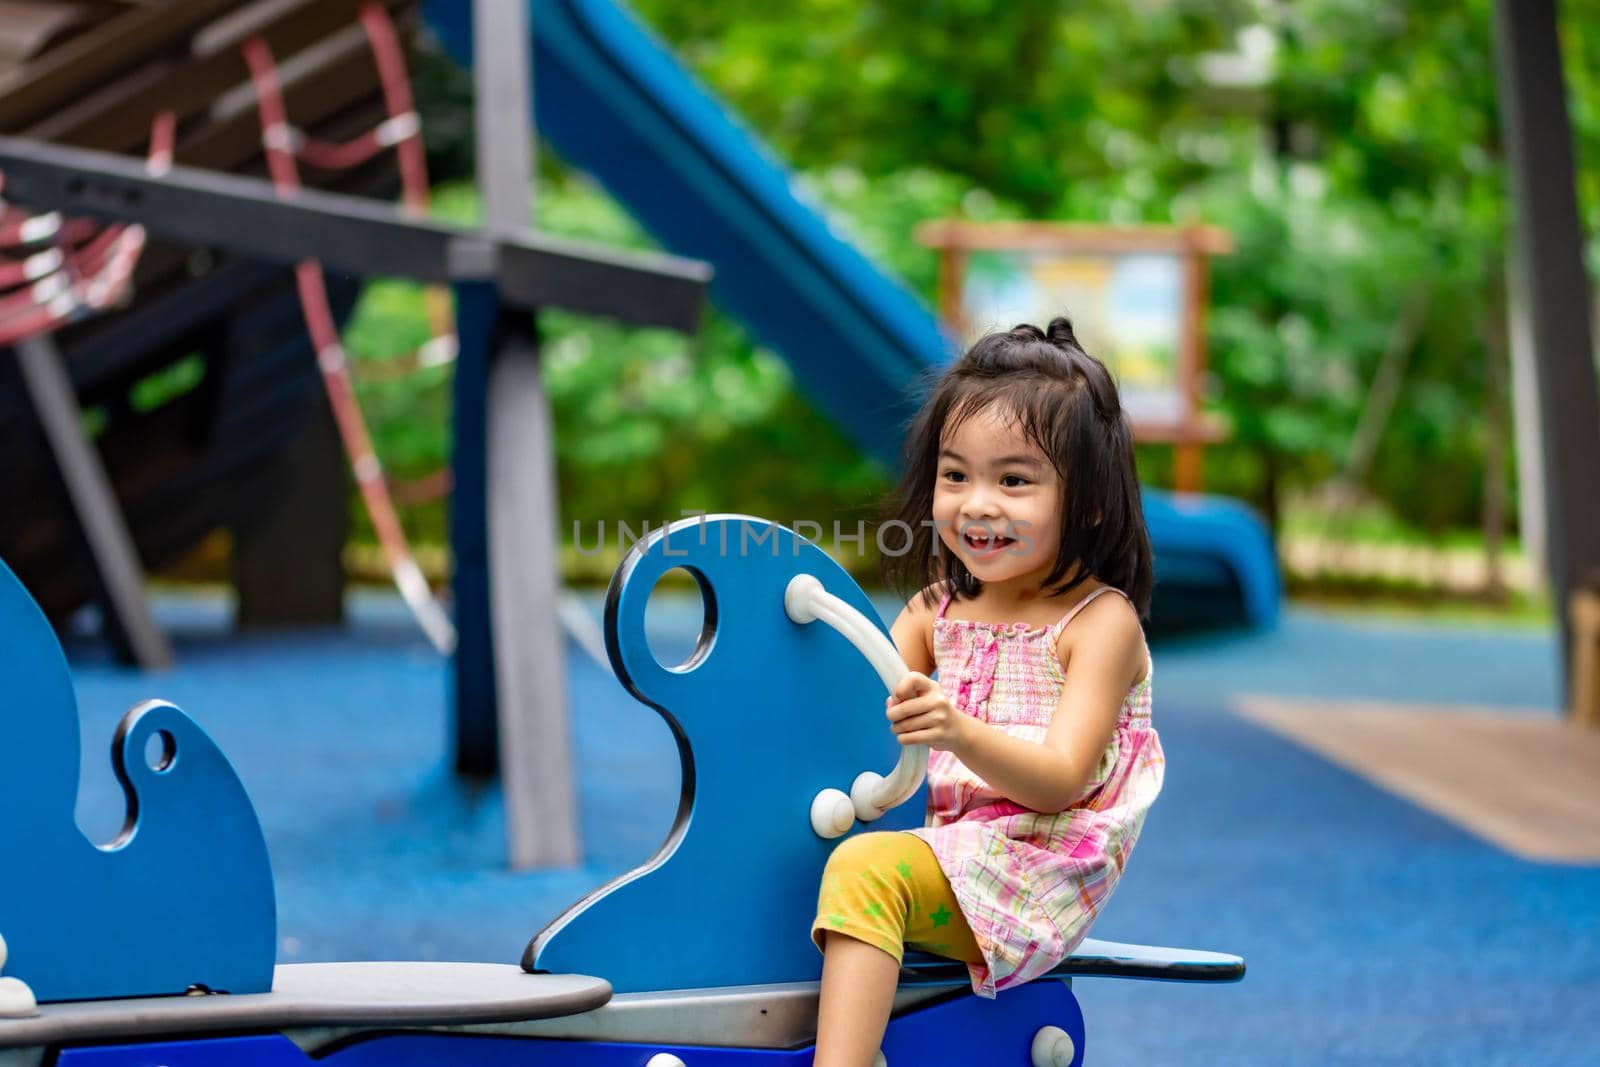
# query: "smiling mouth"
(985, 543)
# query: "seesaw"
(158, 949)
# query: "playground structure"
(617, 104)
(185, 905)
(193, 51)
(219, 452)
(608, 96)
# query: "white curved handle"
(871, 794)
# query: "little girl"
(1033, 563)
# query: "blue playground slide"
(616, 103)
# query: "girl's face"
(997, 501)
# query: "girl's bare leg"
(858, 984)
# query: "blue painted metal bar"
(473, 693)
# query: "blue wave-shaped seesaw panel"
(182, 897)
(766, 713)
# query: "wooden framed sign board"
(1136, 296)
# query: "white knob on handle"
(832, 814)
(663, 1059)
(1052, 1047)
(16, 999)
(866, 796)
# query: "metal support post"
(523, 504)
(1550, 298)
(118, 572)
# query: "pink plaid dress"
(1030, 884)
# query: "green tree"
(1357, 163)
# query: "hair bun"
(1060, 332)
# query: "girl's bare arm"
(1107, 656)
(913, 635)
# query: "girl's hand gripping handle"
(872, 794)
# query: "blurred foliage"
(1357, 161)
(648, 423)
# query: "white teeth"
(985, 541)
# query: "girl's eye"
(1012, 481)
(954, 476)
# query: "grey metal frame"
(357, 235)
(766, 1017)
(93, 502)
(1551, 298)
(523, 504)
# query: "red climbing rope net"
(55, 270)
(285, 148)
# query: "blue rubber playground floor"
(1375, 931)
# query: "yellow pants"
(886, 889)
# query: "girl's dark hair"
(1065, 402)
